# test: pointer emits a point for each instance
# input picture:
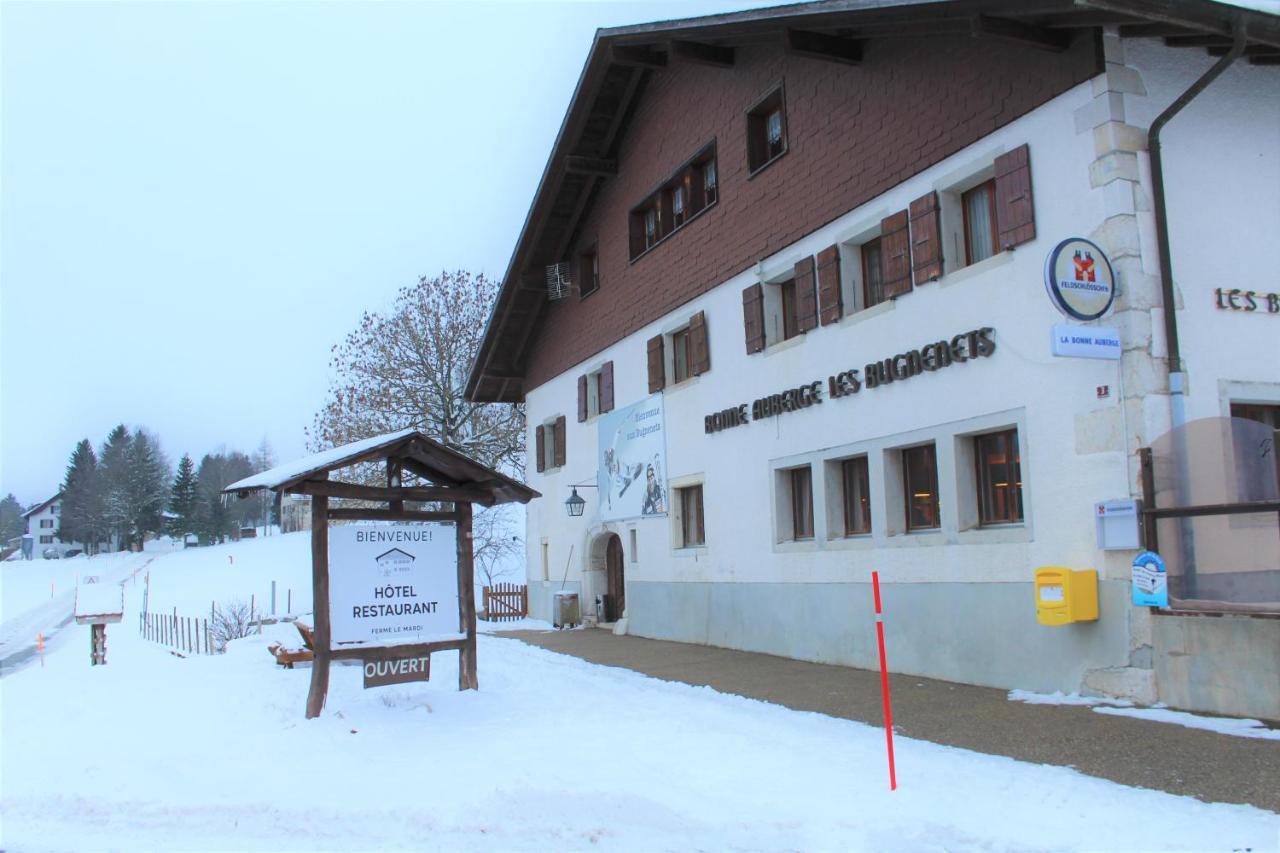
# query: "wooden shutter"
(926, 239)
(895, 254)
(830, 300)
(1015, 213)
(558, 450)
(806, 299)
(606, 387)
(699, 346)
(753, 317)
(582, 398)
(540, 447)
(657, 373)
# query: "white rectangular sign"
(1085, 342)
(392, 584)
(632, 462)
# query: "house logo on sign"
(394, 562)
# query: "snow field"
(154, 752)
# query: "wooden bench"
(288, 657)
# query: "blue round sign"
(1079, 279)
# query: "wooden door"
(617, 590)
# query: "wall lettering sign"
(1235, 299)
(896, 368)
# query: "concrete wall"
(988, 632)
(1220, 664)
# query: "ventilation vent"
(558, 280)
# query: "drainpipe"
(1177, 377)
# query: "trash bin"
(566, 613)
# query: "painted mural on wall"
(632, 464)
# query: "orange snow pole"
(40, 646)
(884, 683)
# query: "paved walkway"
(1210, 766)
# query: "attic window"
(766, 131)
(676, 203)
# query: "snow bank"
(1159, 714)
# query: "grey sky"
(199, 199)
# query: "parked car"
(51, 553)
(72, 552)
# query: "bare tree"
(496, 547)
(231, 621)
(408, 367)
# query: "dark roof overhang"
(622, 59)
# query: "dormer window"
(680, 200)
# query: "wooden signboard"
(380, 673)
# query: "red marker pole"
(884, 683)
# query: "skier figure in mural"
(653, 498)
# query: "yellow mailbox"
(1065, 595)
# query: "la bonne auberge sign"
(933, 356)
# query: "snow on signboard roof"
(331, 458)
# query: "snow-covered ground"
(156, 752)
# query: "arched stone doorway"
(615, 585)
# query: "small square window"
(999, 477)
(692, 530)
(920, 483)
(766, 131)
(46, 540)
(980, 233)
(855, 490)
(801, 481)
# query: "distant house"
(43, 520)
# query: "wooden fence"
(506, 602)
(184, 633)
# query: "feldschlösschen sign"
(392, 583)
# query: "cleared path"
(1207, 765)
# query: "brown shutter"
(582, 398)
(699, 346)
(806, 299)
(606, 387)
(926, 239)
(895, 254)
(1015, 213)
(830, 304)
(558, 450)
(657, 373)
(753, 317)
(540, 448)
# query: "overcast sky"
(199, 199)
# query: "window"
(787, 307)
(787, 303)
(46, 523)
(872, 274)
(680, 355)
(595, 392)
(920, 482)
(980, 231)
(689, 501)
(46, 540)
(801, 502)
(855, 489)
(677, 202)
(588, 272)
(766, 131)
(999, 477)
(56, 509)
(549, 444)
(1263, 414)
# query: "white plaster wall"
(1065, 467)
(1222, 183)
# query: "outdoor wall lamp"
(575, 504)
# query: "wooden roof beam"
(1196, 41)
(1138, 31)
(1007, 29)
(581, 164)
(702, 53)
(640, 56)
(1253, 51)
(823, 46)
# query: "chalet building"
(788, 309)
(43, 521)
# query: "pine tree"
(11, 525)
(220, 515)
(184, 499)
(114, 467)
(82, 512)
(146, 487)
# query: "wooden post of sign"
(320, 586)
(467, 679)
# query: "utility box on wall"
(1065, 595)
